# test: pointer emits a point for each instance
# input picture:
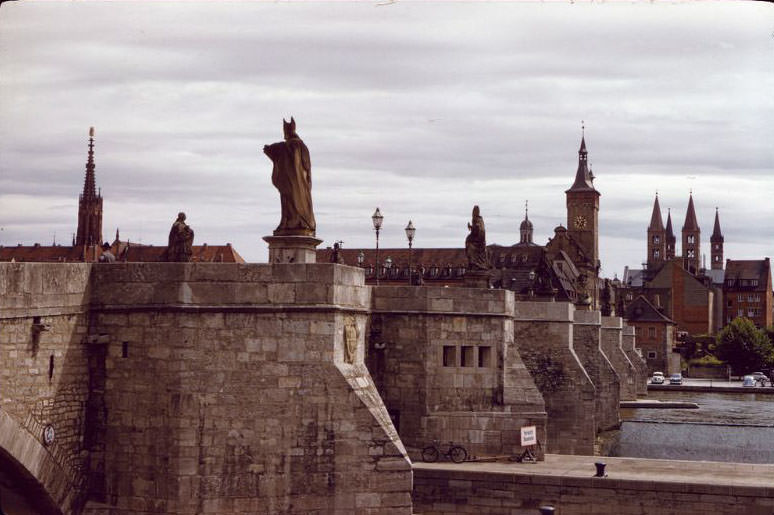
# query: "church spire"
(89, 204)
(691, 224)
(656, 237)
(716, 234)
(691, 239)
(89, 182)
(656, 222)
(671, 240)
(583, 178)
(716, 245)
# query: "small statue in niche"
(350, 340)
(475, 243)
(292, 176)
(180, 244)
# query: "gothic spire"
(691, 224)
(716, 234)
(656, 222)
(669, 232)
(89, 182)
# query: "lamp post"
(410, 231)
(377, 218)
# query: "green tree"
(745, 347)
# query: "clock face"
(580, 222)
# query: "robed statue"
(292, 176)
(475, 243)
(180, 245)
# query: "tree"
(745, 347)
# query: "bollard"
(600, 469)
(547, 510)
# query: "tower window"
(691, 253)
(656, 239)
(656, 253)
(691, 238)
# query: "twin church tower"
(662, 240)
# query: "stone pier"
(447, 368)
(612, 334)
(586, 342)
(543, 332)
(628, 343)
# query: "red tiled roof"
(123, 251)
(134, 253)
(49, 253)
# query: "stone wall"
(629, 346)
(229, 390)
(586, 342)
(612, 334)
(659, 487)
(543, 333)
(447, 368)
(44, 377)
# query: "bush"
(707, 360)
(744, 346)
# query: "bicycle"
(455, 453)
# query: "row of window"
(638, 330)
(467, 356)
(742, 282)
(751, 312)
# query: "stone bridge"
(243, 388)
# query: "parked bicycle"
(456, 453)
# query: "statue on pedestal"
(292, 176)
(180, 245)
(475, 243)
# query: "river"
(727, 427)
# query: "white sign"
(528, 436)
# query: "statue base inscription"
(477, 279)
(292, 249)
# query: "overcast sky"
(422, 109)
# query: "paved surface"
(634, 469)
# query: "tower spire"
(89, 182)
(583, 178)
(657, 241)
(691, 239)
(89, 204)
(716, 244)
(525, 229)
(656, 222)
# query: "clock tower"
(583, 211)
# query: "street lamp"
(377, 218)
(410, 231)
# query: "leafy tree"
(745, 347)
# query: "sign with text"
(528, 436)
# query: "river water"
(727, 427)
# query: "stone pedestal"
(292, 249)
(477, 279)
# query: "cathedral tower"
(691, 239)
(89, 204)
(716, 241)
(671, 239)
(656, 237)
(583, 209)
